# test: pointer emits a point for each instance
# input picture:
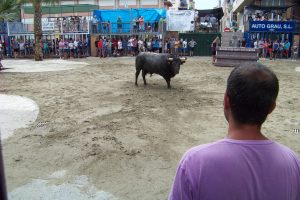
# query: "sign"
(272, 26)
(180, 20)
(48, 26)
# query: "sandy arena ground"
(95, 129)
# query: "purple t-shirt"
(238, 170)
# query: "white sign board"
(48, 26)
(180, 20)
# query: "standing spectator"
(172, 45)
(214, 46)
(260, 46)
(167, 46)
(104, 51)
(94, 25)
(130, 46)
(270, 48)
(155, 45)
(286, 49)
(281, 45)
(160, 44)
(184, 46)
(71, 48)
(265, 50)
(100, 48)
(135, 24)
(141, 45)
(109, 47)
(66, 49)
(255, 44)
(1, 55)
(15, 46)
(108, 26)
(192, 45)
(246, 157)
(104, 25)
(22, 48)
(176, 46)
(156, 26)
(141, 23)
(120, 47)
(135, 46)
(149, 45)
(119, 24)
(76, 49)
(275, 49)
(125, 47)
(84, 24)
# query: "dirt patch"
(128, 140)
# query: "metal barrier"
(127, 28)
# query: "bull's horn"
(170, 59)
(183, 59)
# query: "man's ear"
(273, 106)
(226, 101)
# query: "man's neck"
(245, 132)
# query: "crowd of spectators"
(62, 48)
(274, 49)
(108, 47)
(137, 25)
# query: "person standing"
(184, 47)
(286, 48)
(119, 24)
(100, 48)
(141, 24)
(192, 45)
(260, 46)
(214, 46)
(270, 48)
(265, 50)
(120, 47)
(246, 165)
(275, 49)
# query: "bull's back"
(152, 62)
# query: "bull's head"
(175, 64)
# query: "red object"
(226, 29)
(100, 44)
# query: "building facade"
(182, 4)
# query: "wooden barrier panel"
(233, 56)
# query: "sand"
(16, 112)
(126, 140)
(28, 66)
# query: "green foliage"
(9, 9)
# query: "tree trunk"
(38, 53)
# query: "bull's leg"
(168, 80)
(144, 76)
(137, 73)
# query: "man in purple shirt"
(246, 165)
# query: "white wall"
(149, 2)
(106, 2)
(129, 2)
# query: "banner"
(181, 20)
(272, 26)
(48, 26)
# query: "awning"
(217, 12)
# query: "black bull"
(165, 65)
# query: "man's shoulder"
(233, 149)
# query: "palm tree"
(37, 4)
(9, 9)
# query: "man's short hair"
(252, 89)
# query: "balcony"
(238, 5)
